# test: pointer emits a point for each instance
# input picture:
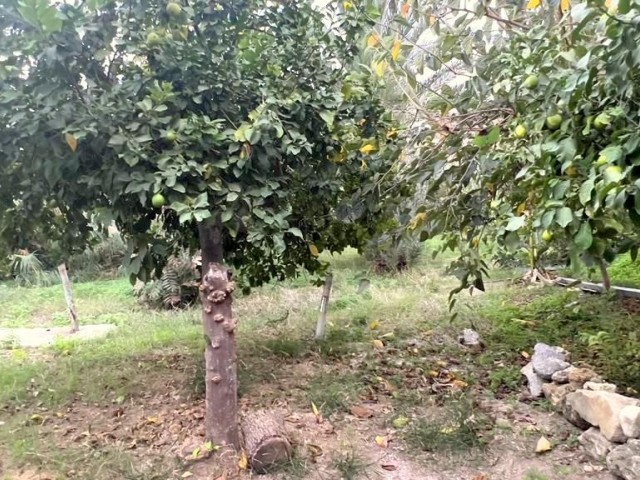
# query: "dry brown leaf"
(71, 141)
(186, 475)
(459, 384)
(481, 476)
(314, 450)
(361, 412)
(378, 344)
(388, 467)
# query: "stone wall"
(611, 421)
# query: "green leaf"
(515, 223)
(296, 231)
(584, 237)
(328, 117)
(585, 191)
(564, 216)
(226, 216)
(624, 6)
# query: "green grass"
(107, 301)
(459, 427)
(593, 328)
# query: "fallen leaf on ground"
(400, 422)
(186, 475)
(243, 461)
(378, 344)
(543, 445)
(388, 467)
(382, 441)
(361, 412)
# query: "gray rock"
(534, 382)
(547, 360)
(573, 417)
(600, 387)
(556, 394)
(561, 376)
(624, 460)
(600, 409)
(630, 421)
(470, 338)
(595, 444)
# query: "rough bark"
(265, 440)
(68, 296)
(321, 326)
(221, 414)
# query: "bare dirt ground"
(47, 336)
(163, 429)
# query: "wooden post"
(321, 326)
(606, 281)
(68, 295)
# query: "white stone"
(630, 421)
(601, 409)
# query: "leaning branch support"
(68, 296)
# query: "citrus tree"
(240, 127)
(530, 139)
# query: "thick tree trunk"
(221, 414)
(68, 296)
(265, 440)
(321, 326)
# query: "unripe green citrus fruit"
(531, 82)
(174, 9)
(158, 200)
(554, 121)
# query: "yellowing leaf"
(418, 220)
(565, 5)
(314, 250)
(373, 40)
(186, 475)
(533, 4)
(405, 9)
(432, 19)
(347, 5)
(459, 384)
(243, 461)
(368, 148)
(378, 344)
(395, 49)
(543, 445)
(392, 134)
(374, 325)
(196, 452)
(315, 409)
(380, 67)
(448, 430)
(521, 208)
(525, 355)
(382, 441)
(71, 141)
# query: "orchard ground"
(390, 394)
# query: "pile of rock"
(611, 420)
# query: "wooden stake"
(68, 295)
(321, 326)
